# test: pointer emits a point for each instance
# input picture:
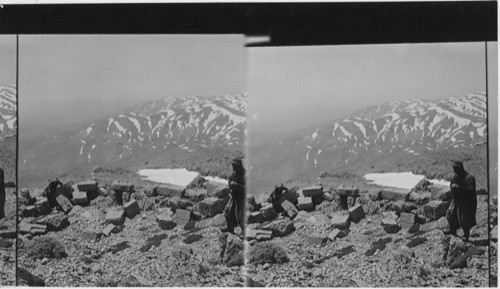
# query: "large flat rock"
(395, 194)
(169, 190)
(87, 186)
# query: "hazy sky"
(70, 78)
(294, 86)
(7, 59)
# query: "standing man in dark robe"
(235, 210)
(2, 195)
(462, 210)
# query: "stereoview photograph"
(131, 160)
(8, 135)
(367, 166)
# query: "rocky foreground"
(8, 240)
(118, 235)
(385, 238)
(115, 234)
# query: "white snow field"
(179, 177)
(405, 180)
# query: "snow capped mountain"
(144, 132)
(8, 108)
(397, 127)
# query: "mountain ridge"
(144, 132)
(367, 136)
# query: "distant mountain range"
(364, 138)
(8, 131)
(8, 109)
(140, 134)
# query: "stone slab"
(87, 186)
(132, 209)
(312, 191)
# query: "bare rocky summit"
(383, 239)
(117, 234)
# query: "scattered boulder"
(356, 213)
(312, 191)
(440, 224)
(406, 220)
(195, 194)
(347, 190)
(182, 217)
(169, 190)
(109, 229)
(268, 212)
(122, 187)
(231, 250)
(259, 235)
(55, 222)
(217, 190)
(444, 194)
(305, 203)
(80, 198)
(375, 195)
(43, 206)
(434, 210)
(453, 248)
(267, 252)
(64, 203)
(132, 209)
(281, 227)
(87, 186)
(419, 197)
(334, 234)
(423, 185)
(290, 195)
(340, 221)
(212, 206)
(494, 234)
(255, 217)
(289, 208)
(90, 234)
(395, 194)
(390, 225)
(33, 229)
(115, 216)
(316, 239)
(165, 222)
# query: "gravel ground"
(7, 234)
(319, 266)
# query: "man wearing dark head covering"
(235, 210)
(462, 210)
(2, 195)
(51, 192)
